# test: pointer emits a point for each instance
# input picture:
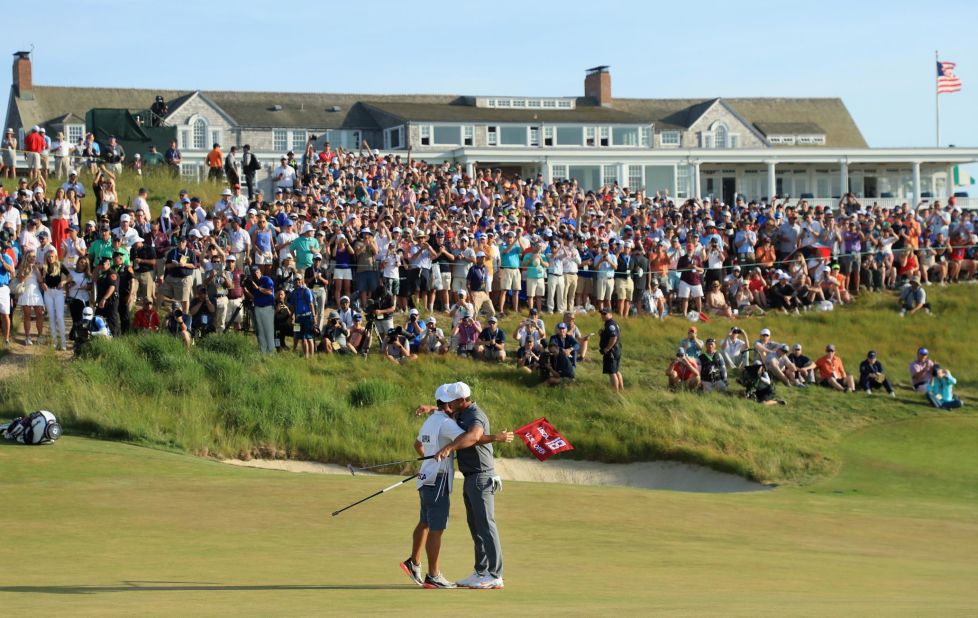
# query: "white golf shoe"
(472, 581)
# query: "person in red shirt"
(147, 320)
(684, 372)
(34, 144)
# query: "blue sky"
(878, 58)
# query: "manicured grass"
(106, 529)
(222, 399)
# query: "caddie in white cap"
(476, 463)
(434, 489)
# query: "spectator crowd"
(350, 242)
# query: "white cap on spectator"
(226, 192)
(413, 311)
(307, 227)
(195, 232)
(765, 331)
(124, 217)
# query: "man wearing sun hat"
(305, 247)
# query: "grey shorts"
(435, 503)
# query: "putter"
(374, 495)
(354, 471)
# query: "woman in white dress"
(31, 298)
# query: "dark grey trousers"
(481, 517)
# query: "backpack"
(39, 427)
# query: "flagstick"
(937, 100)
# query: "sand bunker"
(668, 475)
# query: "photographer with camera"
(334, 335)
(713, 369)
(414, 330)
(433, 341)
(202, 310)
(555, 366)
(684, 372)
(466, 333)
(178, 324)
(395, 347)
(492, 342)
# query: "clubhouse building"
(714, 148)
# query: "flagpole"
(937, 100)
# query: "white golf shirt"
(437, 432)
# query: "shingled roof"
(315, 110)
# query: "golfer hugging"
(457, 424)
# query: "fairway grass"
(97, 528)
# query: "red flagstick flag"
(542, 439)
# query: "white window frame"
(609, 174)
(683, 180)
(548, 136)
(669, 143)
(564, 104)
(558, 171)
(721, 134)
(298, 137)
(72, 129)
(534, 137)
(549, 103)
(492, 135)
(388, 135)
(424, 135)
(468, 135)
(604, 136)
(193, 123)
(590, 136)
(280, 140)
(217, 135)
(645, 136)
(734, 140)
(635, 181)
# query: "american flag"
(947, 81)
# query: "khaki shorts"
(177, 288)
(536, 287)
(510, 279)
(585, 286)
(458, 284)
(33, 160)
(147, 285)
(624, 288)
(604, 288)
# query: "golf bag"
(40, 427)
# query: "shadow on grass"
(152, 586)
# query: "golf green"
(95, 528)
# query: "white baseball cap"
(441, 393)
(413, 312)
(458, 390)
(124, 217)
(765, 331)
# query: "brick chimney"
(597, 85)
(23, 80)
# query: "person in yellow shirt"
(215, 164)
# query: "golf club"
(354, 471)
(374, 495)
